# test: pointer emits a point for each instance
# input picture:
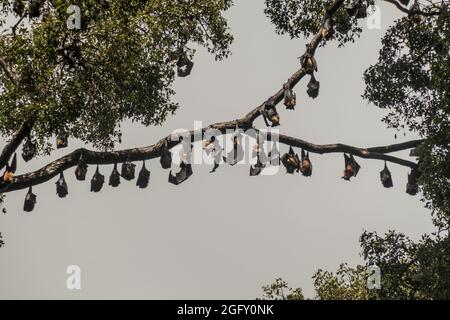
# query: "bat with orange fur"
(351, 167)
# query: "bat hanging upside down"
(351, 167)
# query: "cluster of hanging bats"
(291, 160)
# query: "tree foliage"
(119, 65)
(346, 284)
(409, 270)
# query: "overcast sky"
(222, 235)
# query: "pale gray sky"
(223, 235)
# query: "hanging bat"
(351, 167)
(306, 165)
(274, 156)
(166, 157)
(184, 173)
(258, 150)
(61, 141)
(81, 169)
(327, 30)
(28, 149)
(308, 61)
(270, 114)
(208, 144)
(257, 168)
(35, 8)
(313, 87)
(114, 178)
(128, 170)
(144, 177)
(258, 147)
(10, 169)
(412, 187)
(386, 177)
(237, 154)
(186, 150)
(290, 98)
(30, 201)
(61, 186)
(291, 161)
(97, 181)
(414, 8)
(184, 66)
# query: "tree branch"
(413, 12)
(380, 153)
(14, 28)
(146, 153)
(14, 143)
(296, 77)
(154, 151)
(24, 130)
